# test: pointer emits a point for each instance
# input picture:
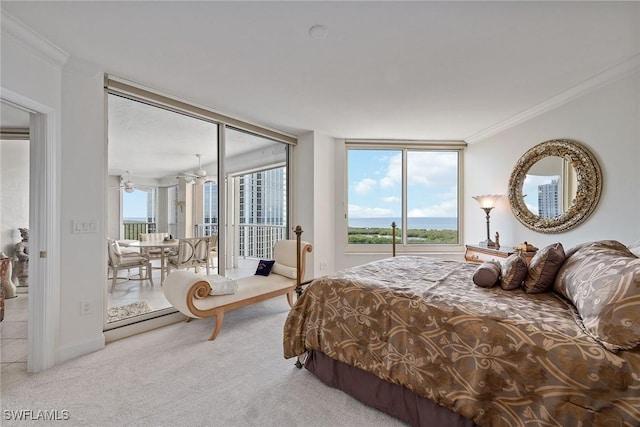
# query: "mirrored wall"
(167, 182)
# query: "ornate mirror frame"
(588, 192)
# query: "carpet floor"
(173, 376)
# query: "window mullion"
(404, 197)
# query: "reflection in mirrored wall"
(550, 187)
(165, 184)
(555, 186)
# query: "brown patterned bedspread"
(501, 358)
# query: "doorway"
(43, 298)
(14, 223)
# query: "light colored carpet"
(173, 376)
(129, 310)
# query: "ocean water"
(421, 223)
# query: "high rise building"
(263, 211)
(548, 205)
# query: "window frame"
(405, 146)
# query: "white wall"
(83, 257)
(14, 192)
(605, 120)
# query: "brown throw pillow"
(543, 268)
(487, 274)
(514, 271)
(602, 280)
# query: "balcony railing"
(254, 240)
(132, 230)
(206, 229)
(257, 240)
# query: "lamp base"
(487, 244)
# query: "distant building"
(548, 204)
(263, 211)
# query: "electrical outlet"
(85, 307)
(323, 265)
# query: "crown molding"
(628, 67)
(19, 32)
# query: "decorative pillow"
(487, 274)
(285, 270)
(602, 280)
(264, 267)
(543, 269)
(514, 271)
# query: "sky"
(134, 205)
(375, 183)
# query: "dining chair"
(126, 261)
(213, 249)
(193, 252)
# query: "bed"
(430, 347)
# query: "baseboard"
(140, 327)
(75, 350)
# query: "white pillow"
(284, 270)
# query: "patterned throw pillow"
(514, 271)
(487, 274)
(602, 280)
(264, 267)
(543, 269)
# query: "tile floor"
(13, 335)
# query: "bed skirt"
(393, 399)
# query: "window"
(138, 212)
(417, 187)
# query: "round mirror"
(555, 186)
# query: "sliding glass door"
(257, 199)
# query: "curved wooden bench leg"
(290, 298)
(216, 329)
(189, 319)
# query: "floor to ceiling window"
(257, 189)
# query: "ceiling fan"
(199, 176)
(126, 184)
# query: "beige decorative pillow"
(602, 280)
(487, 274)
(514, 271)
(543, 268)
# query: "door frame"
(44, 230)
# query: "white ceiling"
(385, 70)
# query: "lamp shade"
(487, 200)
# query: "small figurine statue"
(22, 253)
(497, 240)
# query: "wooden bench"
(189, 292)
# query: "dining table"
(162, 245)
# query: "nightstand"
(480, 254)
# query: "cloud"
(393, 175)
(447, 208)
(365, 186)
(356, 211)
(427, 168)
(391, 199)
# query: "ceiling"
(384, 70)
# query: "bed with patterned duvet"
(430, 347)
